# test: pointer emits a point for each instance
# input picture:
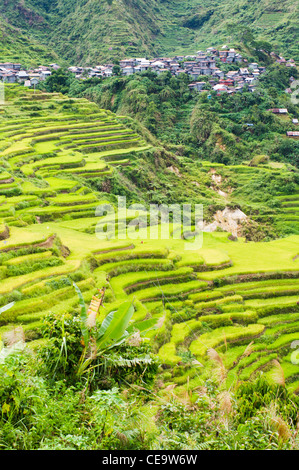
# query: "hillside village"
(206, 64)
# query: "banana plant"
(113, 331)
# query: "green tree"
(116, 70)
(59, 81)
(202, 123)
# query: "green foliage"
(152, 99)
(193, 125)
(75, 348)
(253, 396)
(19, 392)
(63, 350)
(101, 386)
(37, 413)
(29, 266)
(58, 82)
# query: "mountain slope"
(88, 31)
(18, 46)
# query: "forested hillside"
(17, 45)
(89, 31)
(225, 129)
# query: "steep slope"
(18, 46)
(89, 31)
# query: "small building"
(223, 54)
(198, 86)
(238, 58)
(128, 70)
(174, 66)
(159, 71)
(107, 72)
(290, 63)
(55, 66)
(45, 74)
(205, 70)
(127, 63)
(244, 71)
(75, 70)
(22, 76)
(42, 68)
(157, 64)
(218, 73)
(293, 134)
(279, 110)
(226, 82)
(232, 73)
(253, 66)
(9, 77)
(220, 89)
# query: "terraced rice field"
(236, 297)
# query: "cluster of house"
(206, 64)
(281, 60)
(14, 73)
(232, 81)
(203, 63)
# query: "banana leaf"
(6, 307)
(114, 326)
(105, 324)
(143, 326)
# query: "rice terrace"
(149, 227)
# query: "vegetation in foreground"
(50, 400)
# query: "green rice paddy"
(224, 295)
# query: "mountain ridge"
(89, 31)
